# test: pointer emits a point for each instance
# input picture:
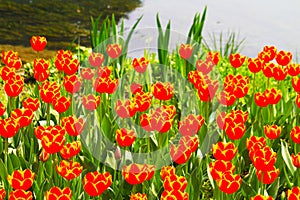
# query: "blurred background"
(63, 22)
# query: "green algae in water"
(61, 21)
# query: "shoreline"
(27, 54)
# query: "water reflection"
(62, 21)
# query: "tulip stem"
(6, 151)
(287, 177)
(253, 85)
(48, 114)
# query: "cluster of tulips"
(61, 141)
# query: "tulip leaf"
(286, 157)
(273, 188)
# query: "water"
(261, 22)
(61, 21)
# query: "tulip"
(91, 102)
(14, 86)
(272, 131)
(261, 197)
(73, 125)
(236, 60)
(293, 194)
(229, 183)
(296, 160)
(267, 176)
(224, 151)
(31, 103)
(96, 59)
(61, 103)
(70, 150)
(38, 43)
(163, 91)
(72, 83)
(20, 194)
(138, 196)
(55, 193)
(283, 58)
(137, 173)
(114, 50)
(86, 73)
(174, 194)
(21, 180)
(140, 65)
(186, 51)
(95, 183)
(69, 169)
(125, 137)
(295, 134)
(219, 167)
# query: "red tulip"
(9, 127)
(40, 64)
(236, 60)
(105, 85)
(264, 158)
(295, 134)
(69, 169)
(293, 69)
(11, 59)
(138, 196)
(174, 182)
(55, 193)
(61, 103)
(219, 167)
(7, 73)
(140, 65)
(70, 66)
(283, 58)
(91, 102)
(41, 76)
(31, 103)
(224, 151)
(143, 100)
(135, 88)
(48, 91)
(268, 53)
(293, 193)
(255, 64)
(126, 109)
(186, 51)
(2, 194)
(167, 171)
(125, 137)
(104, 72)
(53, 141)
(267, 176)
(70, 150)
(22, 116)
(95, 183)
(96, 59)
(20, 194)
(21, 180)
(73, 125)
(229, 183)
(261, 197)
(38, 43)
(61, 56)
(72, 83)
(14, 86)
(163, 91)
(296, 84)
(272, 131)
(191, 125)
(2, 109)
(296, 160)
(86, 73)
(174, 194)
(114, 50)
(137, 173)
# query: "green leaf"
(286, 157)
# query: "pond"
(261, 22)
